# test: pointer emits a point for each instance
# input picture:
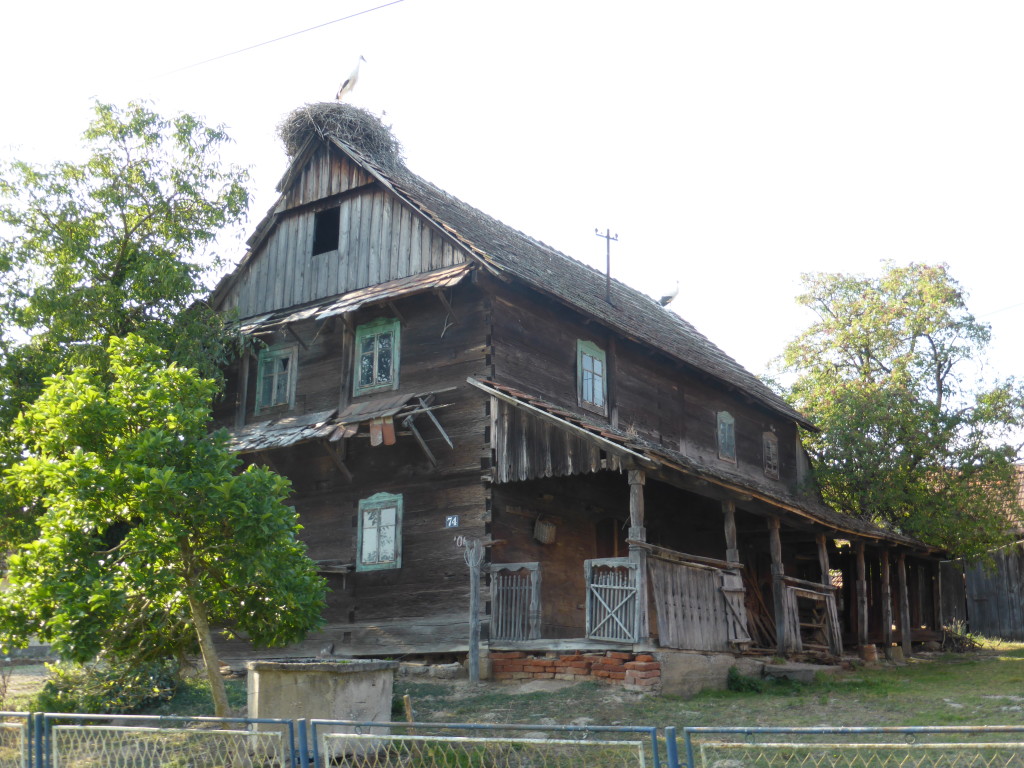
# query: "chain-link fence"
(15, 740)
(823, 747)
(437, 745)
(167, 742)
(95, 741)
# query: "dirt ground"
(24, 679)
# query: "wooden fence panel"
(995, 595)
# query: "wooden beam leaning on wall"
(886, 605)
(906, 639)
(862, 598)
(778, 587)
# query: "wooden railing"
(515, 601)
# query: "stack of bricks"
(636, 672)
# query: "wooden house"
(428, 378)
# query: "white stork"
(350, 82)
(667, 298)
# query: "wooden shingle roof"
(505, 251)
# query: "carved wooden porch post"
(638, 555)
(778, 587)
(905, 628)
(732, 552)
(886, 606)
(862, 598)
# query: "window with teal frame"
(771, 454)
(726, 436)
(380, 532)
(376, 364)
(275, 378)
(591, 377)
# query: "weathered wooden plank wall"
(421, 607)
(535, 351)
(692, 613)
(995, 596)
(379, 239)
(528, 447)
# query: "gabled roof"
(510, 254)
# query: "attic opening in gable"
(326, 229)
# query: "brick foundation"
(634, 672)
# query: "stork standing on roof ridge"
(349, 82)
(668, 297)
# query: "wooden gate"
(515, 601)
(612, 599)
(699, 607)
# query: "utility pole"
(608, 237)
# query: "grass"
(983, 688)
(980, 688)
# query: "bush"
(110, 688)
(740, 683)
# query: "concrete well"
(321, 690)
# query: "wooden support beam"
(778, 586)
(425, 405)
(439, 292)
(862, 598)
(823, 564)
(243, 390)
(637, 480)
(335, 457)
(637, 554)
(732, 552)
(288, 327)
(401, 318)
(886, 605)
(905, 628)
(937, 595)
(411, 426)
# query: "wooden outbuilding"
(431, 379)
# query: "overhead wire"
(279, 39)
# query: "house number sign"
(451, 521)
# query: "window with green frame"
(380, 532)
(376, 364)
(726, 436)
(591, 377)
(275, 377)
(771, 454)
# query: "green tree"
(149, 536)
(906, 441)
(116, 244)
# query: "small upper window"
(592, 377)
(275, 380)
(326, 230)
(771, 454)
(726, 436)
(380, 532)
(376, 365)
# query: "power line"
(278, 39)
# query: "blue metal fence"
(46, 740)
(854, 746)
(94, 739)
(550, 746)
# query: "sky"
(732, 145)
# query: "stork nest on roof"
(361, 130)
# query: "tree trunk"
(217, 688)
